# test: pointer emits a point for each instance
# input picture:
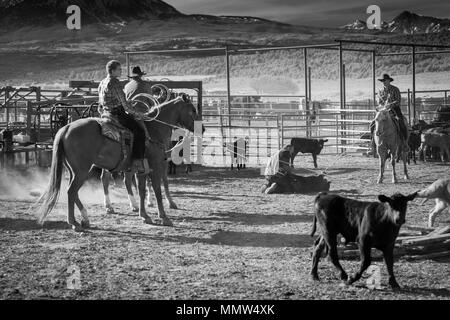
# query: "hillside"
(48, 12)
(43, 51)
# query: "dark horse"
(80, 146)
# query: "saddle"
(113, 130)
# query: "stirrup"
(141, 166)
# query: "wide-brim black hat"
(386, 77)
(137, 72)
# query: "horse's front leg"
(394, 176)
(105, 177)
(405, 168)
(141, 189)
(169, 199)
(382, 158)
(127, 180)
(149, 194)
(156, 185)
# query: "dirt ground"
(229, 241)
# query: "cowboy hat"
(136, 72)
(386, 77)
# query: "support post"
(374, 78)
(29, 112)
(6, 105)
(305, 66)
(414, 82)
(343, 113)
(127, 59)
(227, 63)
(409, 106)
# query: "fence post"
(38, 98)
(6, 105)
(29, 111)
(409, 106)
(278, 133)
(337, 134)
(219, 113)
(282, 131)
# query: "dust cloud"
(28, 185)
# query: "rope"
(148, 96)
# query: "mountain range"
(407, 23)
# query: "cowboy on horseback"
(114, 103)
(389, 97)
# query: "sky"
(320, 13)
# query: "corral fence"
(34, 115)
(265, 122)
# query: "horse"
(388, 141)
(170, 115)
(79, 146)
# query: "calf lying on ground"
(305, 145)
(434, 139)
(372, 224)
(440, 191)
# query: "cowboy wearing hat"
(389, 97)
(137, 85)
(114, 103)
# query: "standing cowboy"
(113, 101)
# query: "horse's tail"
(49, 198)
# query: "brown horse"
(80, 146)
(170, 115)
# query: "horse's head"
(382, 119)
(188, 113)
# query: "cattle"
(413, 144)
(371, 224)
(238, 152)
(440, 191)
(304, 145)
(434, 139)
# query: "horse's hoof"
(349, 281)
(85, 224)
(167, 222)
(380, 181)
(406, 177)
(134, 209)
(172, 205)
(77, 228)
(147, 220)
(110, 210)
